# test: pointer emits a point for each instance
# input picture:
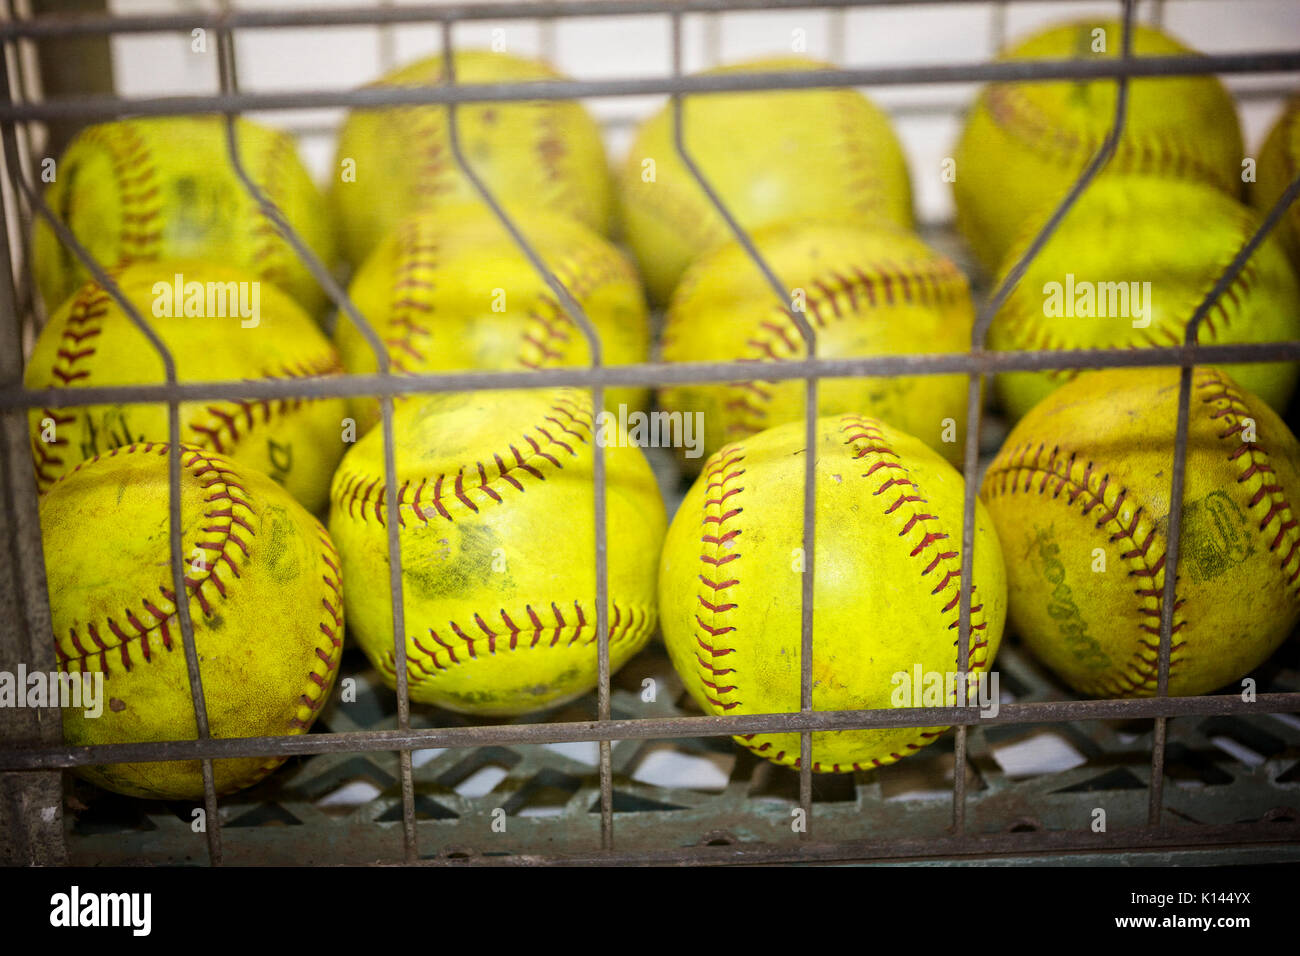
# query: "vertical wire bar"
(809, 338)
(177, 564)
(27, 299)
(323, 276)
(578, 316)
(1177, 482)
(28, 837)
(975, 389)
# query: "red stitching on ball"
(353, 494)
(136, 630)
(1212, 387)
(865, 436)
(624, 623)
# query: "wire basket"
(577, 783)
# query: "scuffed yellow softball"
(864, 291)
(452, 291)
(1128, 267)
(220, 325)
(1279, 164)
(392, 162)
(495, 498)
(264, 597)
(886, 588)
(1024, 144)
(820, 155)
(1080, 497)
(137, 190)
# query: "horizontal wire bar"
(67, 25)
(982, 845)
(110, 107)
(657, 373)
(1270, 94)
(369, 741)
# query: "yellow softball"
(1127, 269)
(161, 188)
(1080, 497)
(864, 291)
(1024, 144)
(1279, 164)
(824, 155)
(264, 598)
(451, 290)
(220, 324)
(886, 589)
(392, 162)
(496, 501)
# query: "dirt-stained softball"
(264, 598)
(1080, 497)
(1024, 144)
(821, 155)
(1279, 164)
(451, 290)
(396, 161)
(137, 190)
(220, 325)
(864, 291)
(886, 591)
(497, 530)
(1129, 266)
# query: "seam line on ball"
(272, 254)
(1028, 334)
(417, 257)
(552, 150)
(85, 324)
(548, 339)
(1056, 471)
(832, 296)
(139, 193)
(864, 437)
(858, 429)
(1255, 469)
(225, 415)
(626, 621)
(359, 493)
(318, 682)
(1016, 115)
(229, 514)
(90, 305)
(718, 555)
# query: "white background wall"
(928, 118)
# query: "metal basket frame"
(36, 764)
